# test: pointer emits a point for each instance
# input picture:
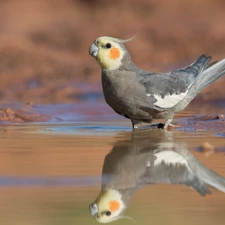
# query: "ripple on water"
(103, 129)
(222, 134)
(6, 181)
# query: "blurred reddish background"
(44, 44)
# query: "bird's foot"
(135, 124)
(135, 127)
(169, 125)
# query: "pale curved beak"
(93, 50)
(93, 209)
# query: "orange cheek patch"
(114, 206)
(114, 53)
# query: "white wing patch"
(169, 100)
(169, 157)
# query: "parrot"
(143, 96)
(147, 159)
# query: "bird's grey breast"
(121, 89)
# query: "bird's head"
(108, 206)
(109, 52)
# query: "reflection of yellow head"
(110, 206)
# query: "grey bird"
(143, 96)
(133, 164)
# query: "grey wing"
(166, 90)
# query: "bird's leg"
(135, 124)
(169, 124)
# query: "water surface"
(50, 173)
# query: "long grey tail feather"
(212, 179)
(211, 74)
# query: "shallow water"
(50, 173)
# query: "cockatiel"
(147, 159)
(143, 96)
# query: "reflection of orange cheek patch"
(114, 206)
(114, 53)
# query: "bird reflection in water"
(144, 159)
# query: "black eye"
(108, 213)
(108, 45)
